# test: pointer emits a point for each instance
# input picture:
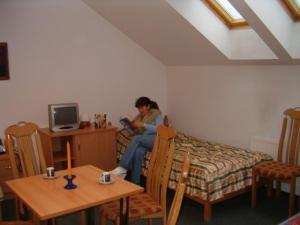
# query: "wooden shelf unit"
(88, 146)
(5, 171)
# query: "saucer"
(50, 178)
(112, 180)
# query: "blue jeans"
(134, 155)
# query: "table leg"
(92, 216)
(45, 222)
(0, 209)
(83, 219)
(124, 216)
(36, 221)
(1, 199)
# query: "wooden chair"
(179, 194)
(286, 168)
(152, 203)
(25, 149)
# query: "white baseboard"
(266, 145)
(286, 187)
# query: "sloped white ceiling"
(166, 33)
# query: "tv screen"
(63, 116)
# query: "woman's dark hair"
(145, 101)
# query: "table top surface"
(48, 198)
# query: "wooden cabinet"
(88, 146)
(5, 171)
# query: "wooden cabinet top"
(48, 132)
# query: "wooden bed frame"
(207, 204)
(207, 215)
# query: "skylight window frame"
(225, 16)
(293, 8)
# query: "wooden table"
(48, 198)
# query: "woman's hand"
(137, 124)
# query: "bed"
(217, 171)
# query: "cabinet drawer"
(4, 187)
(5, 169)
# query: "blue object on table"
(70, 185)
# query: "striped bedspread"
(215, 170)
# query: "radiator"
(266, 145)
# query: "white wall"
(232, 104)
(63, 51)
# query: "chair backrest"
(180, 188)
(25, 149)
(289, 144)
(160, 164)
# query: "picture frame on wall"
(4, 69)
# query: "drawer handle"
(7, 167)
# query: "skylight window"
(228, 13)
(230, 9)
(294, 8)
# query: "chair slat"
(175, 208)
(179, 194)
(288, 144)
(293, 144)
(282, 137)
(42, 159)
(26, 149)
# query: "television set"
(63, 117)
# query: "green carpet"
(236, 211)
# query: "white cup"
(105, 177)
(50, 172)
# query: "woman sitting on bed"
(145, 124)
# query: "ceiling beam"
(261, 29)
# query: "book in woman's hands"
(128, 125)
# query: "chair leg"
(50, 222)
(253, 193)
(164, 220)
(278, 189)
(149, 221)
(102, 219)
(82, 216)
(292, 196)
(299, 203)
(35, 219)
(17, 204)
(270, 188)
(117, 222)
